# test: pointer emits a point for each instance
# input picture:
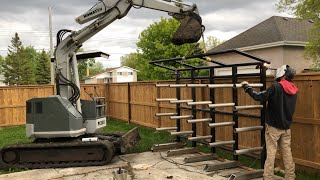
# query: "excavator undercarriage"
(68, 152)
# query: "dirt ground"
(148, 165)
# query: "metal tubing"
(220, 85)
(198, 158)
(235, 113)
(217, 62)
(251, 85)
(231, 85)
(177, 85)
(185, 64)
(196, 85)
(165, 99)
(252, 57)
(199, 103)
(166, 128)
(245, 129)
(248, 107)
(180, 101)
(225, 113)
(199, 120)
(211, 54)
(213, 125)
(166, 146)
(181, 117)
(165, 67)
(221, 143)
(181, 133)
(244, 151)
(229, 65)
(221, 165)
(162, 85)
(166, 114)
(193, 108)
(223, 76)
(221, 105)
(254, 174)
(199, 137)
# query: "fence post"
(129, 103)
(158, 104)
(108, 99)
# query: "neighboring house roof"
(109, 70)
(273, 31)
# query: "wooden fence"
(135, 102)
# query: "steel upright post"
(235, 112)
(194, 111)
(178, 108)
(263, 114)
(212, 111)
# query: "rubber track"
(105, 146)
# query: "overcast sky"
(223, 19)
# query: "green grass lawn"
(149, 136)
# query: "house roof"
(109, 70)
(274, 29)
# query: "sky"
(223, 19)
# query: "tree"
(211, 43)
(154, 43)
(309, 10)
(43, 68)
(18, 68)
(96, 68)
(83, 64)
(131, 60)
(1, 64)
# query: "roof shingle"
(274, 29)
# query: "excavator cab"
(190, 29)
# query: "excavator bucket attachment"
(129, 140)
(189, 31)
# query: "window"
(119, 73)
(130, 73)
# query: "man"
(281, 97)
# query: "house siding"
(127, 75)
(278, 56)
(294, 56)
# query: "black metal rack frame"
(258, 62)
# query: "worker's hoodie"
(281, 97)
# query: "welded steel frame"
(259, 62)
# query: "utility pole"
(51, 46)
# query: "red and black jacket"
(281, 97)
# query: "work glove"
(245, 85)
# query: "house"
(280, 40)
(2, 79)
(113, 75)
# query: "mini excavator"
(64, 128)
